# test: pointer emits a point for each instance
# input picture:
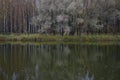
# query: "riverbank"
(58, 38)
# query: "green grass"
(58, 38)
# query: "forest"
(59, 39)
(60, 17)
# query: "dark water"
(59, 62)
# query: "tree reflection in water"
(88, 77)
(59, 62)
(14, 77)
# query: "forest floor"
(58, 38)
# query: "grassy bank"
(58, 38)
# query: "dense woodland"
(64, 17)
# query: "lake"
(59, 61)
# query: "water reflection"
(14, 77)
(59, 62)
(87, 77)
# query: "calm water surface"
(59, 62)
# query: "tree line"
(64, 17)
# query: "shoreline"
(58, 38)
